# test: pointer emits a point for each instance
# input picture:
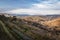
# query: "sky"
(31, 7)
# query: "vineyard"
(12, 28)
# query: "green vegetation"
(14, 29)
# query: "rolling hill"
(27, 28)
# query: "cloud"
(35, 12)
(43, 8)
(47, 5)
(29, 11)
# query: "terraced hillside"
(12, 28)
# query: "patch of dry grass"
(53, 23)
